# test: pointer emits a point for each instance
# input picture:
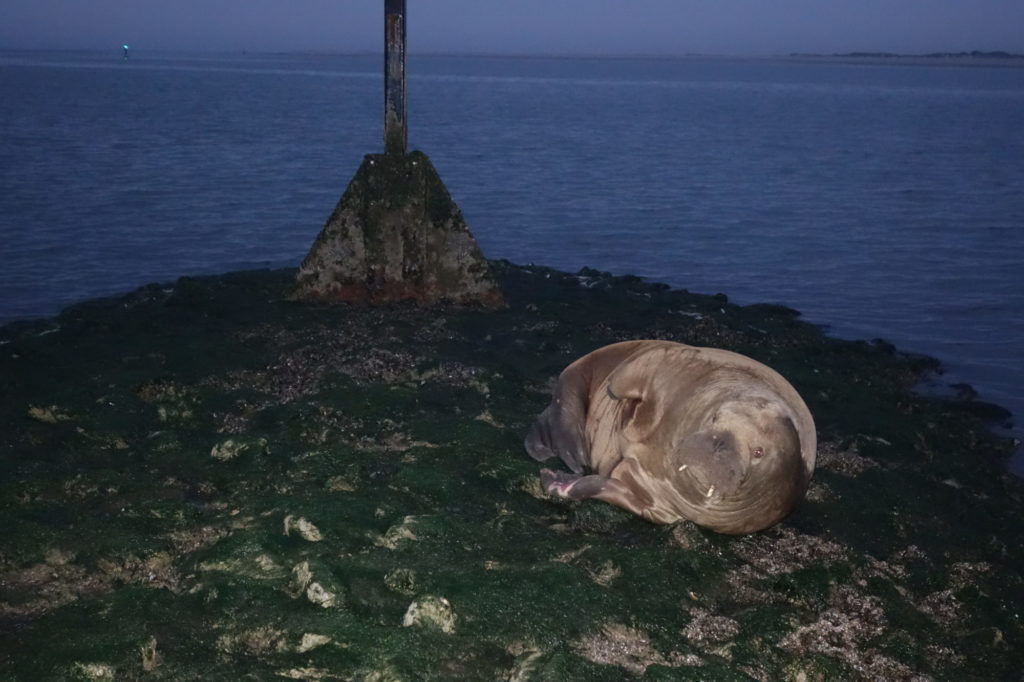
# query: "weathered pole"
(395, 132)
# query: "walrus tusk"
(683, 467)
(711, 491)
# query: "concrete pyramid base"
(396, 235)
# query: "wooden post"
(395, 132)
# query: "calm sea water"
(884, 200)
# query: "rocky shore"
(205, 480)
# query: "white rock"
(311, 641)
(227, 451)
(301, 577)
(231, 449)
(431, 611)
(400, 533)
(306, 530)
(321, 596)
(95, 672)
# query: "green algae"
(205, 481)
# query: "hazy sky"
(522, 26)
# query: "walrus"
(671, 432)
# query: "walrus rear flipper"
(559, 430)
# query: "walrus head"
(742, 470)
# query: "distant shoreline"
(975, 54)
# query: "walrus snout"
(711, 459)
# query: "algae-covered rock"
(401, 580)
(249, 561)
(49, 415)
(622, 646)
(339, 484)
(308, 674)
(385, 674)
(151, 658)
(409, 529)
(708, 628)
(245, 640)
(376, 463)
(526, 666)
(174, 403)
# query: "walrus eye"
(758, 453)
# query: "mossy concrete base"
(396, 235)
(204, 481)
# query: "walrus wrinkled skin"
(670, 432)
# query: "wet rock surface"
(207, 481)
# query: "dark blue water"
(882, 200)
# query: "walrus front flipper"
(558, 432)
(560, 428)
(598, 487)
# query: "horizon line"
(854, 54)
